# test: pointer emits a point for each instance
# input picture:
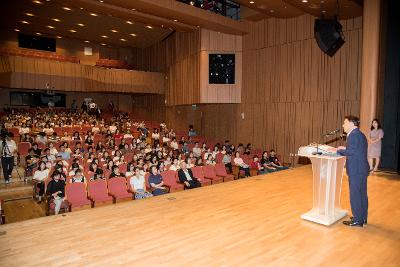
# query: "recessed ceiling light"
(37, 2)
(150, 27)
(67, 8)
(81, 24)
(29, 14)
(87, 41)
(101, 1)
(72, 30)
(132, 34)
(175, 20)
(304, 1)
(251, 2)
(93, 14)
(56, 20)
(323, 11)
(133, 9)
(50, 27)
(16, 30)
(114, 30)
(104, 36)
(58, 37)
(123, 40)
(81, 8)
(25, 22)
(38, 33)
(103, 44)
(129, 22)
(272, 11)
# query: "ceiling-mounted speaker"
(329, 36)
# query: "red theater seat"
(98, 192)
(169, 178)
(117, 188)
(198, 173)
(76, 195)
(209, 173)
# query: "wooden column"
(370, 63)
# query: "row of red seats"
(6, 51)
(80, 195)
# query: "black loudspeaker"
(328, 34)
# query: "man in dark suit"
(186, 177)
(357, 169)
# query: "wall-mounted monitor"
(221, 69)
(36, 42)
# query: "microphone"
(333, 132)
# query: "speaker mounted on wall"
(329, 36)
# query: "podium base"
(314, 216)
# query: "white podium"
(327, 184)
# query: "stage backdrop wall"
(291, 91)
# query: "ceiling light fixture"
(101, 1)
(175, 20)
(103, 44)
(81, 24)
(38, 33)
(37, 2)
(129, 22)
(104, 36)
(16, 30)
(29, 14)
(133, 9)
(67, 8)
(93, 14)
(132, 34)
(50, 27)
(123, 40)
(304, 1)
(251, 2)
(56, 20)
(72, 30)
(58, 37)
(25, 22)
(87, 41)
(150, 27)
(114, 30)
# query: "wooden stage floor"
(250, 222)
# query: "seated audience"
(156, 182)
(238, 161)
(56, 191)
(138, 185)
(78, 177)
(39, 177)
(115, 172)
(186, 177)
(255, 164)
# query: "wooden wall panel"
(149, 107)
(215, 42)
(31, 73)
(292, 92)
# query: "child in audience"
(56, 191)
(138, 185)
(40, 175)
